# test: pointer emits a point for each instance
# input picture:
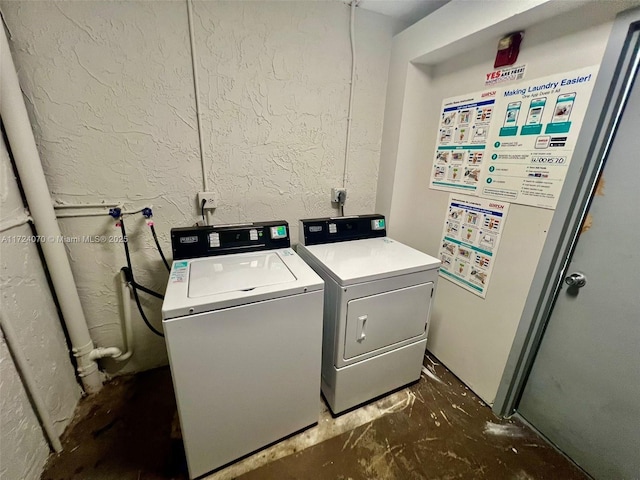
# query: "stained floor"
(434, 429)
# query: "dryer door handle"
(362, 323)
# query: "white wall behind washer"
(27, 305)
(470, 335)
(109, 89)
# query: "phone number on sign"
(62, 239)
(559, 160)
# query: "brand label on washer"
(179, 272)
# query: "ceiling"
(408, 11)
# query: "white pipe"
(102, 352)
(10, 223)
(126, 317)
(97, 214)
(132, 212)
(82, 214)
(196, 88)
(352, 36)
(115, 352)
(84, 205)
(30, 384)
(23, 145)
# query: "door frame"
(617, 72)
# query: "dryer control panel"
(207, 241)
(314, 231)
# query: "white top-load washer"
(242, 317)
(378, 295)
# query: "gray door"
(583, 392)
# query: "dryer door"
(381, 320)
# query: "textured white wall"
(109, 89)
(25, 449)
(26, 303)
(275, 83)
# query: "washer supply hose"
(135, 286)
(155, 238)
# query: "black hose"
(134, 284)
(129, 273)
(125, 241)
(147, 290)
(144, 317)
(155, 237)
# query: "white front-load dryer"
(378, 295)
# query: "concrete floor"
(434, 429)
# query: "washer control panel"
(205, 241)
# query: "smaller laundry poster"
(470, 240)
(461, 142)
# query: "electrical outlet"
(338, 195)
(210, 197)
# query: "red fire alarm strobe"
(508, 49)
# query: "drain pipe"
(18, 128)
(125, 293)
(127, 334)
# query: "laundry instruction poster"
(512, 143)
(470, 240)
(532, 138)
(463, 131)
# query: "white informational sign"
(512, 143)
(530, 150)
(462, 137)
(470, 239)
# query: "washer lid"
(213, 283)
(370, 259)
(230, 273)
